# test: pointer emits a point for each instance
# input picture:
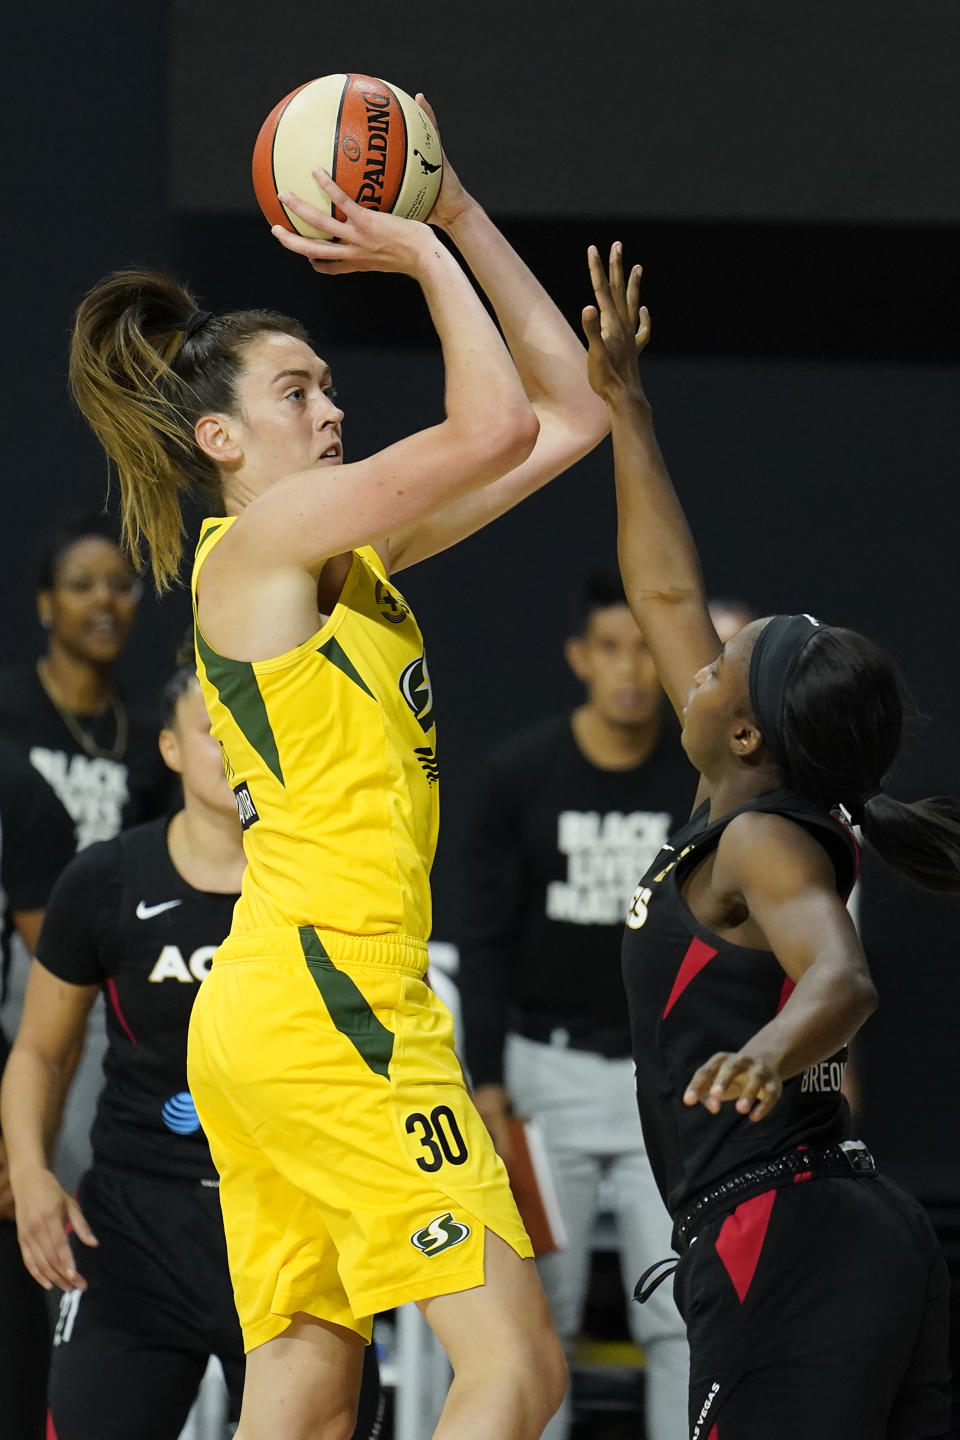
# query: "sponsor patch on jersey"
(441, 1234)
(180, 1114)
(245, 806)
(416, 689)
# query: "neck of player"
(81, 685)
(610, 745)
(206, 848)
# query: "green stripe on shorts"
(348, 1009)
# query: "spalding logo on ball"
(373, 138)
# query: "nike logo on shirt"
(147, 912)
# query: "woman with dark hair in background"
(95, 748)
(138, 918)
(811, 1308)
(355, 1172)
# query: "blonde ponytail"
(142, 375)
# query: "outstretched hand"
(752, 1081)
(363, 240)
(617, 327)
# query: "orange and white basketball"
(373, 138)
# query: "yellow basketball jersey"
(330, 750)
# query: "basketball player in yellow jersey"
(355, 1173)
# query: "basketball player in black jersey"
(813, 1290)
(147, 1290)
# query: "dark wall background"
(789, 183)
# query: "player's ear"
(576, 652)
(745, 738)
(216, 437)
(168, 743)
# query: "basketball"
(373, 138)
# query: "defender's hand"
(617, 327)
(751, 1080)
(364, 240)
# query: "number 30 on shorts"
(440, 1136)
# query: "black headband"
(779, 646)
(198, 318)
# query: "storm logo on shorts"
(440, 1234)
(416, 689)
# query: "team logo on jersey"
(180, 1114)
(245, 806)
(416, 689)
(441, 1234)
(391, 608)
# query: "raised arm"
(489, 426)
(549, 359)
(31, 1100)
(658, 558)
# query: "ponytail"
(920, 840)
(144, 366)
(841, 725)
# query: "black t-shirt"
(692, 994)
(36, 842)
(102, 795)
(123, 918)
(554, 855)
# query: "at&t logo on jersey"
(441, 1234)
(180, 1114)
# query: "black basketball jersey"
(122, 917)
(692, 994)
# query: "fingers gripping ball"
(373, 138)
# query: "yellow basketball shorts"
(355, 1172)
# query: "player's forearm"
(30, 1107)
(548, 355)
(830, 1003)
(658, 557)
(483, 390)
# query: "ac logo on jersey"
(441, 1234)
(416, 689)
(172, 966)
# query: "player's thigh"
(503, 1324)
(303, 1383)
(108, 1385)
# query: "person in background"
(36, 842)
(147, 1296)
(96, 749)
(570, 812)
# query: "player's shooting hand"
(44, 1209)
(752, 1081)
(363, 240)
(453, 201)
(617, 327)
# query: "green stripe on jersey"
(335, 653)
(348, 1009)
(236, 684)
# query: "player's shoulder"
(20, 690)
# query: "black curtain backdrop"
(804, 375)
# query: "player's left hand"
(617, 327)
(452, 200)
(751, 1080)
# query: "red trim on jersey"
(786, 991)
(52, 1434)
(714, 1434)
(115, 1002)
(698, 954)
(741, 1240)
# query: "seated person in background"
(570, 812)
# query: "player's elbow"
(513, 437)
